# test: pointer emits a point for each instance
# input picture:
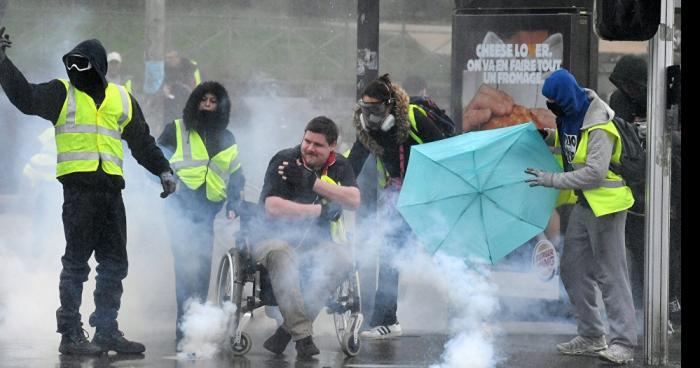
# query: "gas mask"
(374, 116)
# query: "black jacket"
(46, 100)
(216, 138)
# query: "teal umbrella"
(467, 195)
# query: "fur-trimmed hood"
(401, 127)
(223, 109)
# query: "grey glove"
(541, 178)
(297, 174)
(169, 184)
(331, 211)
(4, 43)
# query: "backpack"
(633, 161)
(435, 114)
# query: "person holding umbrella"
(594, 244)
(387, 126)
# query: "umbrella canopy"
(467, 195)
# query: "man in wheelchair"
(305, 190)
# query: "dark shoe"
(115, 341)
(75, 342)
(278, 341)
(306, 348)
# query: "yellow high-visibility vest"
(87, 136)
(194, 167)
(613, 195)
(338, 233)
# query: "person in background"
(415, 85)
(91, 117)
(114, 71)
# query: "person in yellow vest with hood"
(204, 155)
(594, 244)
(91, 118)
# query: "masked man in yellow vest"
(91, 118)
(305, 190)
(587, 144)
(387, 126)
(204, 155)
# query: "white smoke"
(205, 329)
(466, 287)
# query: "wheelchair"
(247, 285)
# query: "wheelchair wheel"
(347, 315)
(350, 344)
(243, 346)
(228, 289)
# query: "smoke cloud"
(205, 329)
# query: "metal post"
(367, 43)
(658, 192)
(367, 70)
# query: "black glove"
(4, 43)
(297, 174)
(169, 184)
(331, 211)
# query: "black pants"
(93, 221)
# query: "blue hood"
(562, 88)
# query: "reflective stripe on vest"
(193, 166)
(87, 137)
(612, 195)
(337, 228)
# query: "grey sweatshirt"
(600, 147)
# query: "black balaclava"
(91, 81)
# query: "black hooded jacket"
(630, 78)
(46, 100)
(216, 138)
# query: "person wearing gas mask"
(204, 155)
(594, 244)
(387, 126)
(90, 117)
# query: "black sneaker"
(306, 348)
(115, 341)
(278, 341)
(75, 342)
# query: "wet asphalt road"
(514, 350)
